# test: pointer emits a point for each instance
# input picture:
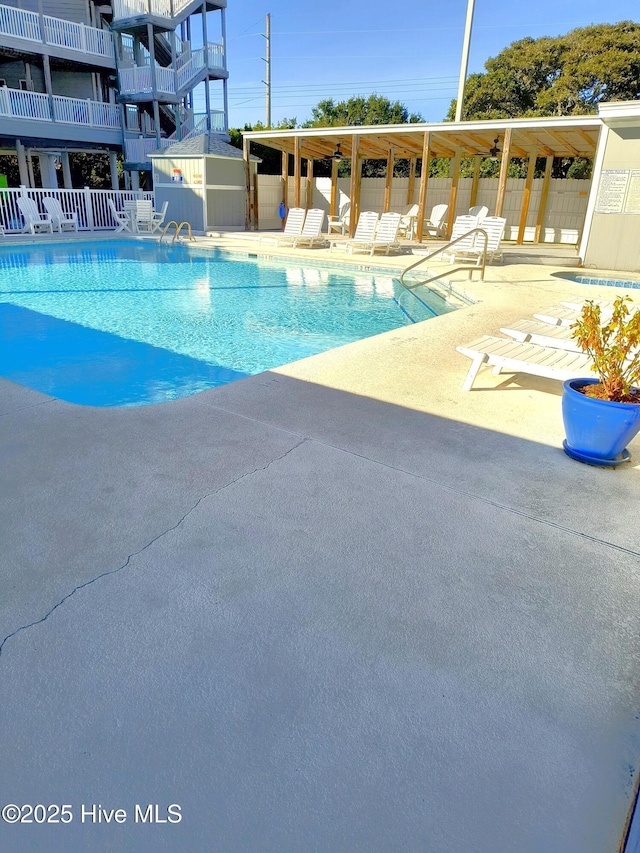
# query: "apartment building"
(108, 76)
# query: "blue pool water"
(130, 323)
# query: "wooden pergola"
(522, 138)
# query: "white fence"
(90, 206)
(563, 219)
(22, 24)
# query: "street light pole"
(465, 59)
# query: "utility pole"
(267, 82)
(465, 59)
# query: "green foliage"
(92, 170)
(359, 110)
(613, 344)
(271, 159)
(565, 75)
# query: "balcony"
(21, 29)
(138, 150)
(167, 10)
(66, 118)
(173, 81)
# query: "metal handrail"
(177, 231)
(456, 269)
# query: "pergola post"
(388, 182)
(285, 178)
(422, 192)
(256, 209)
(296, 171)
(543, 198)
(453, 193)
(412, 180)
(504, 171)
(355, 183)
(526, 196)
(333, 202)
(475, 180)
(247, 177)
(309, 202)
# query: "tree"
(359, 110)
(566, 75)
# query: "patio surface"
(337, 606)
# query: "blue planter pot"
(598, 431)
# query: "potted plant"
(601, 415)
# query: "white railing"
(26, 25)
(90, 206)
(138, 8)
(17, 103)
(165, 80)
(20, 23)
(138, 150)
(136, 80)
(216, 55)
(92, 113)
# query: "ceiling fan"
(337, 154)
(493, 152)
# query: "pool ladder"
(177, 232)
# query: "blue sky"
(341, 49)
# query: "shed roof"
(199, 146)
(566, 136)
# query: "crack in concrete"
(30, 406)
(489, 501)
(148, 544)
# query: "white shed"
(203, 180)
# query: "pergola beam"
(526, 196)
(504, 171)
(422, 192)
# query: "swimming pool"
(582, 278)
(131, 323)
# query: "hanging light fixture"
(337, 154)
(493, 152)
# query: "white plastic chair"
(519, 357)
(312, 228)
(340, 223)
(122, 218)
(60, 220)
(479, 211)
(144, 216)
(292, 226)
(159, 217)
(365, 233)
(33, 221)
(436, 224)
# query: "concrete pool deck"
(341, 605)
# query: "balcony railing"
(138, 80)
(138, 150)
(16, 103)
(140, 8)
(21, 24)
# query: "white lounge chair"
(436, 224)
(292, 227)
(542, 334)
(518, 357)
(340, 223)
(33, 221)
(311, 230)
(386, 236)
(365, 233)
(60, 220)
(122, 218)
(471, 249)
